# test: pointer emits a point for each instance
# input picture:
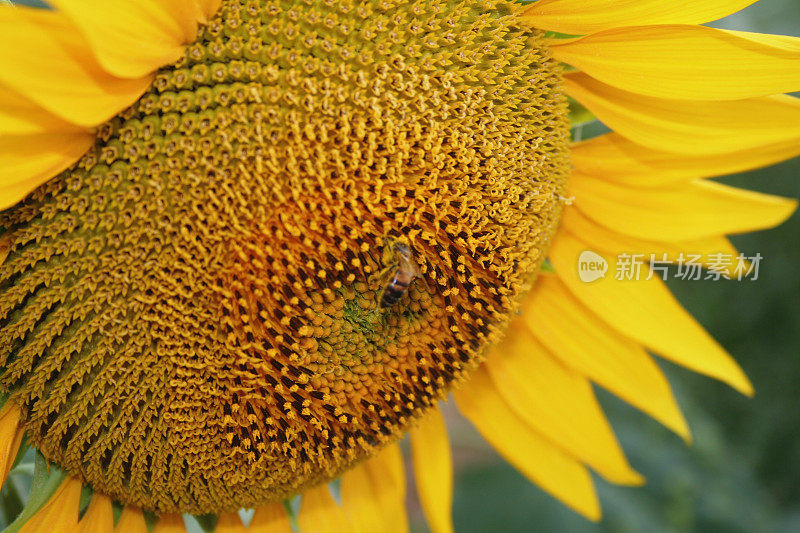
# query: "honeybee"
(404, 273)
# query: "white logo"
(591, 266)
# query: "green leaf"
(578, 114)
(207, 521)
(12, 503)
(46, 480)
(547, 266)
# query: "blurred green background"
(742, 471)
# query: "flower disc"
(193, 316)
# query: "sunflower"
(248, 245)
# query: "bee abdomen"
(393, 292)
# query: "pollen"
(191, 317)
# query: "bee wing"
(409, 265)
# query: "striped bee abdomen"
(403, 276)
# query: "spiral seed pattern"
(190, 315)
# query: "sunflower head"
(193, 317)
(250, 244)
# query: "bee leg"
(380, 276)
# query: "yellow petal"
(11, 433)
(27, 161)
(683, 211)
(686, 126)
(433, 471)
(687, 62)
(60, 513)
(46, 59)
(541, 462)
(558, 403)
(21, 116)
(584, 343)
(131, 521)
(270, 518)
(133, 39)
(185, 13)
(208, 8)
(320, 513)
(170, 523)
(230, 523)
(604, 240)
(99, 517)
(615, 158)
(579, 17)
(645, 311)
(374, 493)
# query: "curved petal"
(687, 62)
(689, 127)
(133, 39)
(320, 513)
(131, 521)
(579, 17)
(620, 160)
(230, 523)
(645, 311)
(60, 513)
(558, 403)
(611, 242)
(45, 58)
(684, 211)
(99, 517)
(270, 518)
(433, 471)
(170, 523)
(583, 342)
(374, 493)
(208, 8)
(21, 116)
(11, 433)
(27, 161)
(541, 462)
